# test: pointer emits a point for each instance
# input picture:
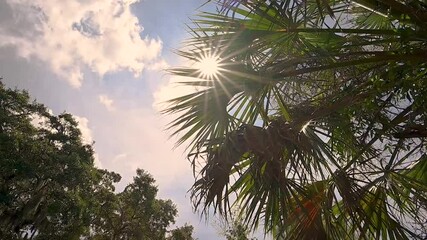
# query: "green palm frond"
(315, 120)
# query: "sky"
(103, 62)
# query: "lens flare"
(208, 66)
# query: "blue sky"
(102, 61)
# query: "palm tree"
(314, 123)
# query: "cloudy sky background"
(102, 61)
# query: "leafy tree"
(134, 213)
(182, 233)
(50, 188)
(46, 173)
(237, 231)
(234, 229)
(316, 117)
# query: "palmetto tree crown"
(316, 119)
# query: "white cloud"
(71, 36)
(106, 101)
(38, 120)
(171, 89)
(83, 124)
(87, 136)
(158, 66)
(96, 161)
(135, 138)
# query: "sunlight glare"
(208, 66)
(304, 128)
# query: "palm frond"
(316, 119)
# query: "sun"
(208, 66)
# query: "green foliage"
(50, 189)
(237, 232)
(134, 213)
(234, 229)
(182, 233)
(46, 175)
(316, 118)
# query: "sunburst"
(208, 66)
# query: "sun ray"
(208, 66)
